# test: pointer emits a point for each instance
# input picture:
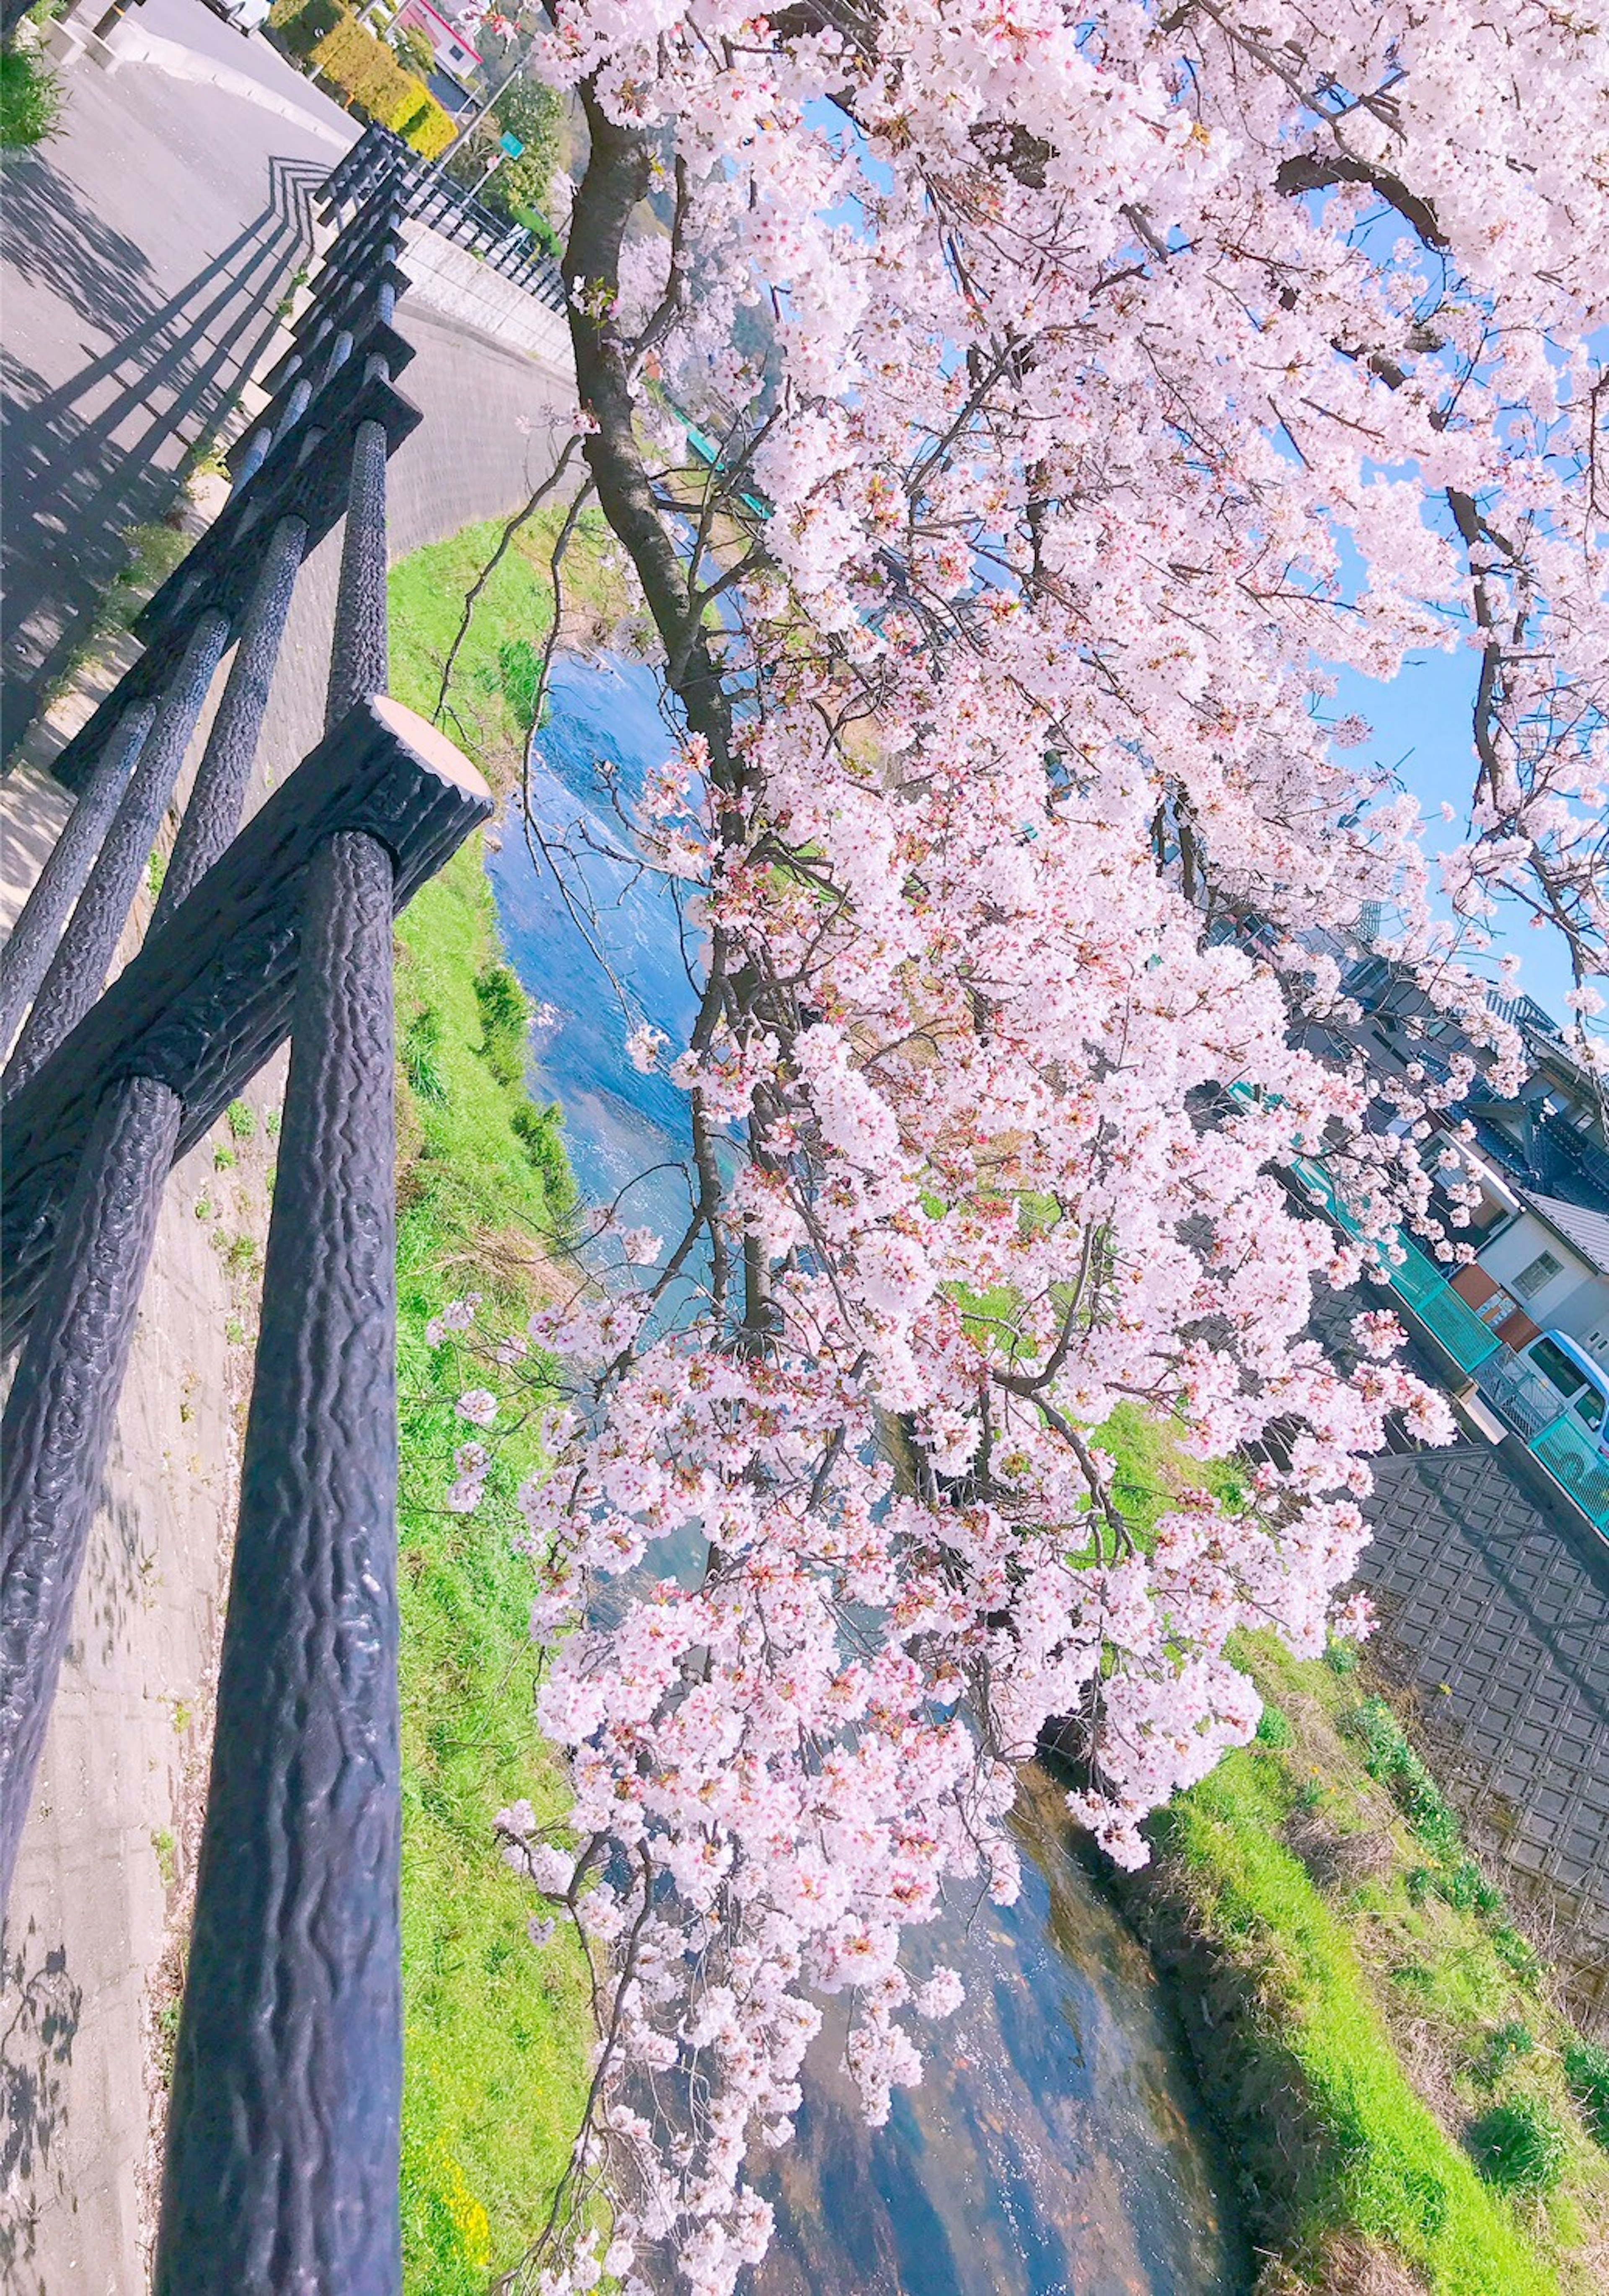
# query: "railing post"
(79, 969)
(284, 2133)
(222, 779)
(59, 1418)
(26, 954)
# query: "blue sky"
(1422, 729)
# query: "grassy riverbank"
(1406, 2107)
(498, 2031)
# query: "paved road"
(145, 251)
(196, 28)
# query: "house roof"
(1588, 1231)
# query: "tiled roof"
(1589, 1231)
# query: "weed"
(234, 1332)
(1586, 2071)
(156, 870)
(1520, 2146)
(496, 2061)
(1272, 1728)
(1504, 2046)
(205, 1208)
(241, 1258)
(422, 1054)
(30, 100)
(271, 1124)
(168, 1856)
(1342, 1659)
(223, 1158)
(505, 1020)
(242, 1119)
(184, 1714)
(519, 674)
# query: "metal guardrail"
(379, 159)
(284, 2123)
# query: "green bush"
(1586, 2071)
(422, 1054)
(1520, 2146)
(367, 74)
(1272, 1728)
(505, 1020)
(302, 24)
(30, 100)
(429, 129)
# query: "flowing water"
(1055, 2146)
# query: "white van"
(1581, 1382)
(245, 15)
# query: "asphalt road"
(144, 250)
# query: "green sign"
(512, 144)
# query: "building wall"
(1575, 1300)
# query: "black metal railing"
(380, 159)
(283, 2131)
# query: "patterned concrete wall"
(1494, 1608)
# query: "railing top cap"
(430, 745)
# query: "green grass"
(497, 2031)
(1379, 2043)
(490, 700)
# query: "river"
(1055, 2146)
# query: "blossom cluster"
(1120, 366)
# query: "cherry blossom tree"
(1087, 386)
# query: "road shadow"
(88, 460)
(40, 2006)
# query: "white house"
(1545, 1268)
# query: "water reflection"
(1055, 2146)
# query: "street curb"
(131, 44)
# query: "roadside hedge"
(363, 71)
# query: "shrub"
(302, 24)
(429, 129)
(505, 1017)
(1272, 1728)
(422, 1054)
(368, 76)
(1586, 2071)
(1519, 2145)
(30, 100)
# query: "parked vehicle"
(245, 15)
(1580, 1380)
